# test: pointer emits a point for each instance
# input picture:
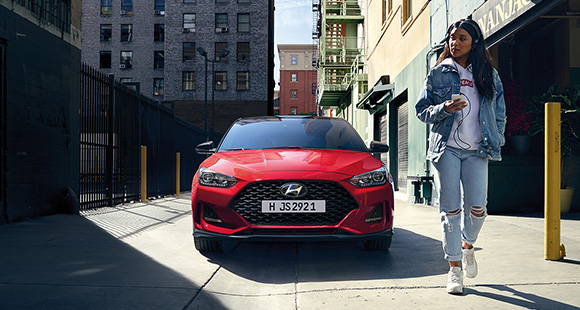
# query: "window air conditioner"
(123, 12)
(122, 66)
(185, 30)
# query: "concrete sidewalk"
(141, 256)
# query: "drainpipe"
(432, 51)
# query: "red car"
(292, 179)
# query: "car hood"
(239, 163)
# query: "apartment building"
(298, 79)
(213, 60)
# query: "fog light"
(376, 215)
(210, 216)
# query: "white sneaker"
(455, 281)
(469, 263)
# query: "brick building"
(160, 45)
(297, 79)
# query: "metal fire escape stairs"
(341, 57)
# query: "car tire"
(205, 245)
(381, 244)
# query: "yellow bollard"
(552, 182)
(143, 173)
(177, 172)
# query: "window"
(189, 22)
(293, 94)
(387, 9)
(127, 6)
(293, 111)
(126, 59)
(294, 60)
(221, 1)
(244, 22)
(243, 1)
(293, 77)
(158, 59)
(188, 80)
(126, 32)
(106, 33)
(159, 5)
(219, 47)
(188, 50)
(243, 51)
(221, 20)
(159, 33)
(125, 80)
(106, 7)
(406, 10)
(221, 80)
(105, 59)
(158, 87)
(188, 1)
(243, 80)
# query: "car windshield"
(299, 133)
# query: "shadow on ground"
(411, 255)
(67, 262)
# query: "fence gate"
(109, 159)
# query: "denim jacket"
(443, 81)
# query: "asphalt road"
(141, 256)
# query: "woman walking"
(463, 101)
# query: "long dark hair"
(479, 58)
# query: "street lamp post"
(223, 53)
(203, 53)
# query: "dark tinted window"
(309, 133)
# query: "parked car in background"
(292, 178)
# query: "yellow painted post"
(143, 173)
(552, 181)
(177, 172)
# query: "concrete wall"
(42, 121)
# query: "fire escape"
(341, 51)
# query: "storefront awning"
(380, 94)
(499, 19)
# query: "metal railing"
(115, 121)
(55, 12)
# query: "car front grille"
(248, 203)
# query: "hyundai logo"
(293, 190)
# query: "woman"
(467, 131)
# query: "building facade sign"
(493, 15)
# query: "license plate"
(293, 206)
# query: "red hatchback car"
(292, 179)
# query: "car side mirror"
(205, 148)
(378, 147)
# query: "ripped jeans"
(460, 177)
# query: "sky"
(292, 25)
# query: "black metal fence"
(115, 122)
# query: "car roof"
(286, 117)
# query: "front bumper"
(197, 233)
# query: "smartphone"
(454, 97)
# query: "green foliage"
(570, 121)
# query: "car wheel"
(205, 245)
(381, 244)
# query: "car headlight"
(373, 178)
(215, 179)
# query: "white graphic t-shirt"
(466, 130)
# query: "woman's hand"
(452, 106)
